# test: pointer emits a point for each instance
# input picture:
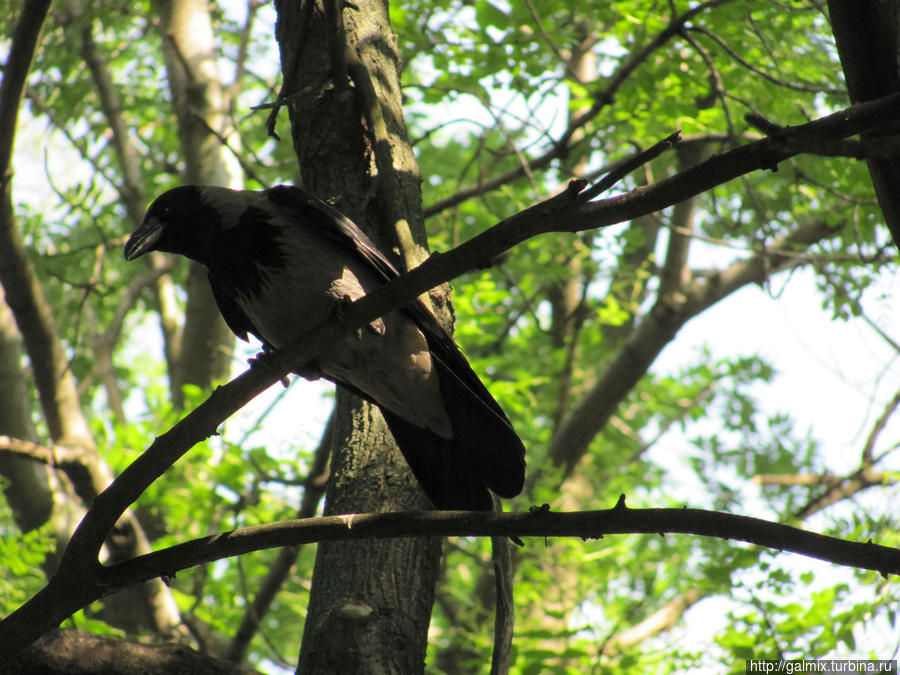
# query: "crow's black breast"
(248, 246)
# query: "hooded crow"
(279, 261)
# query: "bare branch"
(73, 589)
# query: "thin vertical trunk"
(27, 485)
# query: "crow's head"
(181, 221)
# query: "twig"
(629, 165)
(603, 97)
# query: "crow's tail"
(484, 454)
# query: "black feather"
(234, 316)
(246, 248)
(334, 225)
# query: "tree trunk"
(868, 37)
(370, 603)
(27, 484)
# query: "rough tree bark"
(868, 38)
(371, 601)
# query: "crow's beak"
(144, 238)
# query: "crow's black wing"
(331, 223)
(234, 316)
(480, 427)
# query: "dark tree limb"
(537, 523)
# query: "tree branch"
(812, 87)
(21, 52)
(657, 329)
(662, 619)
(18, 630)
(868, 451)
(130, 187)
(602, 98)
(56, 455)
(24, 295)
(504, 615)
(835, 488)
(34, 317)
(563, 212)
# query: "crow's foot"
(263, 359)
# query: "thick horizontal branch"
(537, 523)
